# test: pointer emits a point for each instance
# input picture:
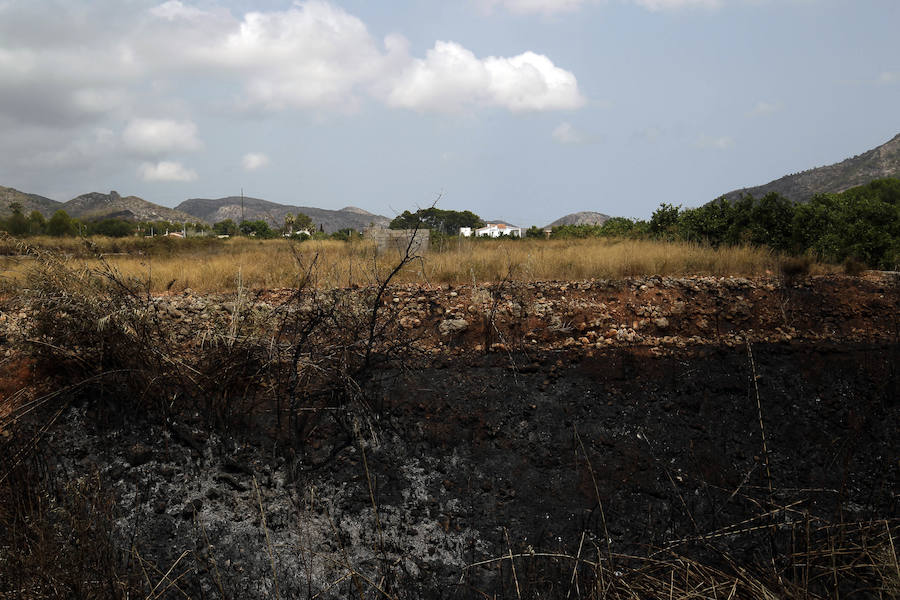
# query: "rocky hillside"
(219, 209)
(881, 162)
(581, 218)
(29, 202)
(95, 205)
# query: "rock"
(409, 322)
(661, 322)
(452, 326)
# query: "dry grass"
(273, 264)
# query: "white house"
(465, 231)
(496, 230)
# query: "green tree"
(711, 223)
(36, 223)
(447, 222)
(664, 221)
(302, 221)
(258, 228)
(16, 224)
(112, 228)
(771, 222)
(226, 227)
(61, 224)
(617, 227)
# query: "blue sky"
(524, 110)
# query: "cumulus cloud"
(155, 137)
(166, 171)
(451, 77)
(715, 143)
(313, 55)
(318, 56)
(254, 160)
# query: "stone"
(452, 326)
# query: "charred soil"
(726, 438)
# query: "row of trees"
(862, 223)
(446, 222)
(62, 225)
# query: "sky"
(522, 110)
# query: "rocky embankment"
(656, 312)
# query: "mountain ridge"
(585, 217)
(877, 163)
(29, 202)
(96, 205)
(213, 210)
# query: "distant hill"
(581, 218)
(878, 163)
(29, 202)
(95, 206)
(219, 209)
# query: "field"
(220, 266)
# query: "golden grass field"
(255, 264)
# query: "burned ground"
(565, 425)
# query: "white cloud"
(763, 108)
(554, 7)
(166, 171)
(173, 9)
(155, 137)
(254, 160)
(451, 77)
(312, 56)
(715, 143)
(657, 5)
(888, 77)
(545, 7)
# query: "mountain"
(878, 163)
(581, 218)
(29, 202)
(113, 206)
(219, 209)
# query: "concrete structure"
(397, 240)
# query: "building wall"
(397, 240)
